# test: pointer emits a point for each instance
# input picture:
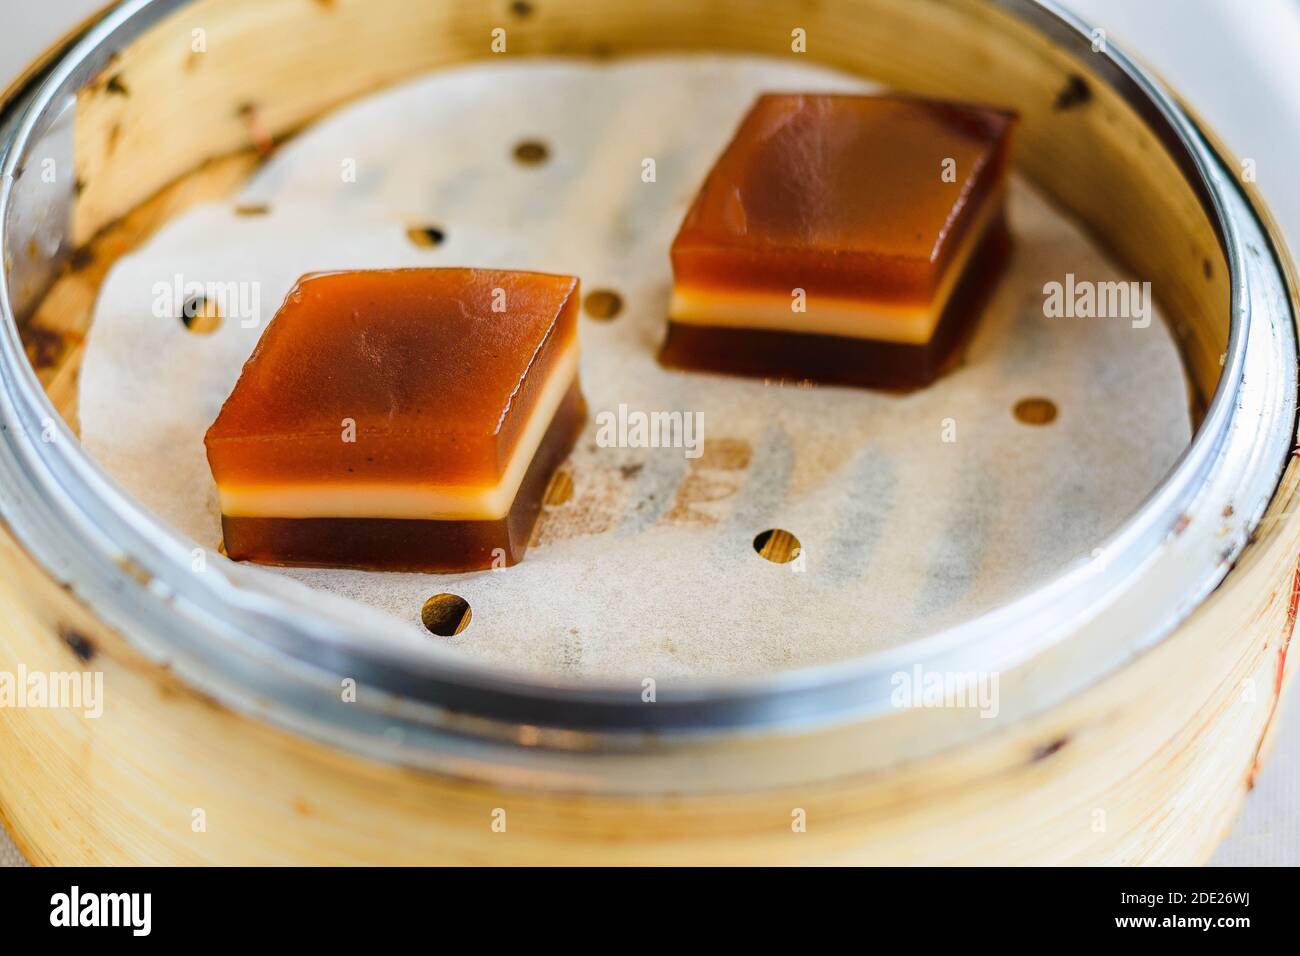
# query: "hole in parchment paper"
(776, 545)
(200, 316)
(253, 209)
(560, 489)
(531, 152)
(430, 237)
(521, 8)
(445, 614)
(603, 304)
(1035, 411)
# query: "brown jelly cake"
(842, 239)
(403, 419)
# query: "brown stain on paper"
(712, 477)
(590, 503)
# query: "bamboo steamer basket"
(1138, 689)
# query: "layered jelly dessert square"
(842, 239)
(405, 419)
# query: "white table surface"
(1237, 62)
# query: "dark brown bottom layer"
(401, 544)
(842, 360)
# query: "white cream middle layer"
(416, 501)
(909, 323)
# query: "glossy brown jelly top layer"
(843, 195)
(439, 370)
